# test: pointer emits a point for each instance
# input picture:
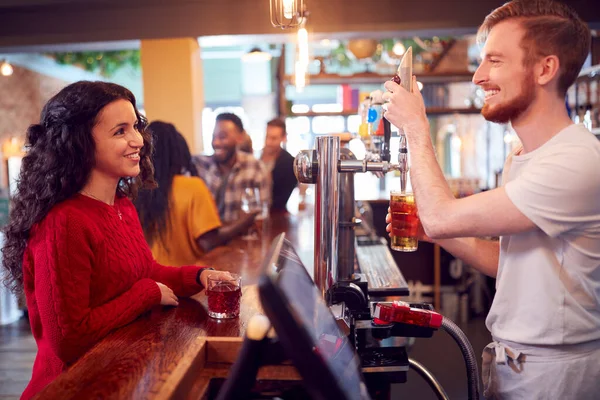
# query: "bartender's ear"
(546, 69)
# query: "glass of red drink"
(224, 296)
(405, 222)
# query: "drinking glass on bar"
(261, 219)
(224, 295)
(251, 203)
(405, 221)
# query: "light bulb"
(303, 46)
(288, 8)
(6, 69)
(300, 76)
(398, 49)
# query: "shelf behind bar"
(431, 111)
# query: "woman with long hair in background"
(180, 218)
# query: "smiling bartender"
(545, 318)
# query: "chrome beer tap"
(325, 168)
(404, 78)
(330, 169)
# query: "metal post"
(326, 213)
(346, 236)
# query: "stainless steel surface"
(326, 213)
(428, 376)
(403, 161)
(405, 70)
(364, 166)
(303, 167)
(383, 275)
(346, 220)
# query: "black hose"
(468, 354)
(429, 378)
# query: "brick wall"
(22, 96)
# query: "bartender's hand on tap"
(422, 236)
(405, 110)
(167, 297)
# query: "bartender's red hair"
(551, 28)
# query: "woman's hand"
(167, 297)
(213, 273)
(421, 232)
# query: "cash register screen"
(306, 327)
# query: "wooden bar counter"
(152, 356)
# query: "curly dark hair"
(171, 157)
(58, 162)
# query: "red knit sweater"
(87, 271)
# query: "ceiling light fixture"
(286, 13)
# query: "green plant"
(105, 63)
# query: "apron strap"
(501, 354)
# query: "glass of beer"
(405, 221)
(224, 296)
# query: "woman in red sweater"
(74, 242)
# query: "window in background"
(297, 125)
(328, 124)
(353, 123)
(299, 136)
(335, 107)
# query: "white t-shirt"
(548, 283)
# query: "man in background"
(280, 164)
(229, 171)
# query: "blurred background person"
(280, 164)
(245, 143)
(231, 174)
(180, 219)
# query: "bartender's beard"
(505, 112)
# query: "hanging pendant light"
(286, 13)
(302, 58)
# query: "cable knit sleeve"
(63, 267)
(182, 280)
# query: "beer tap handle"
(403, 161)
(387, 134)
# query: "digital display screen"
(310, 312)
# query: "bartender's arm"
(223, 234)
(481, 254)
(489, 213)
